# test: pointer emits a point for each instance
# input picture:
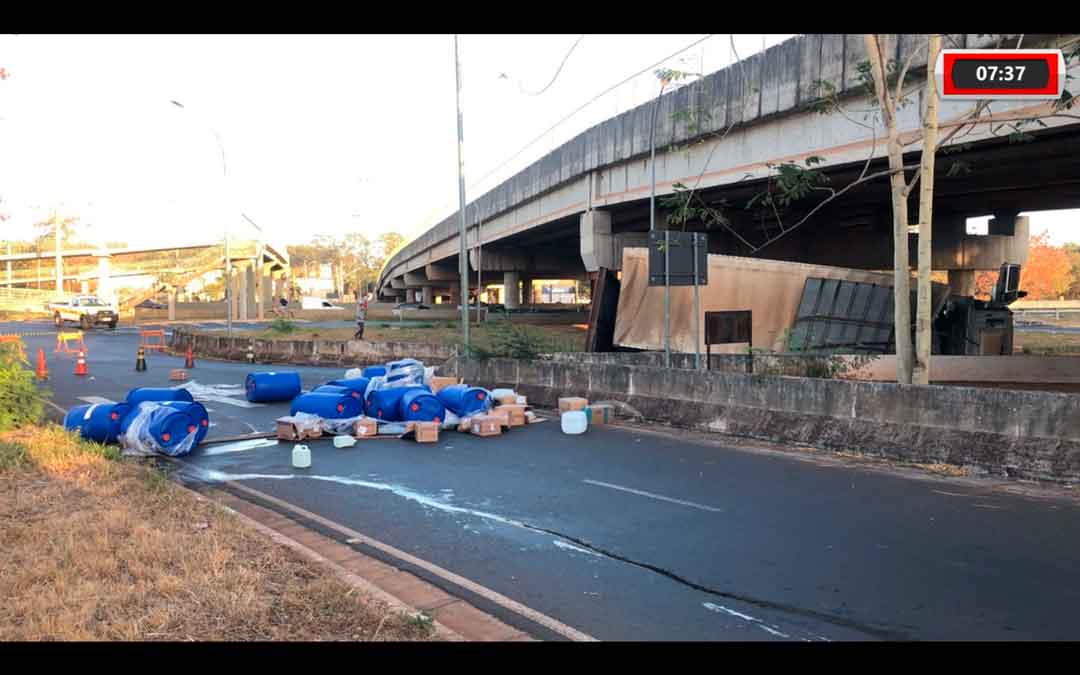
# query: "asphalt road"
(630, 535)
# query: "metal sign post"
(697, 310)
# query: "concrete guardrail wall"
(1004, 432)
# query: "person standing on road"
(361, 311)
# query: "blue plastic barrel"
(140, 394)
(463, 400)
(335, 389)
(374, 371)
(197, 412)
(170, 427)
(328, 406)
(270, 387)
(102, 424)
(419, 405)
(385, 404)
(396, 365)
(358, 383)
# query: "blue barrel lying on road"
(329, 406)
(271, 387)
(463, 400)
(420, 405)
(197, 412)
(374, 371)
(98, 422)
(385, 404)
(403, 363)
(140, 394)
(358, 383)
(335, 389)
(170, 427)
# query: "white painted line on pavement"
(654, 496)
(94, 399)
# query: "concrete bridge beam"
(597, 248)
(443, 272)
(398, 283)
(415, 279)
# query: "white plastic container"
(301, 456)
(574, 422)
(344, 441)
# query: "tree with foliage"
(1046, 275)
(1072, 249)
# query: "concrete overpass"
(574, 210)
(259, 271)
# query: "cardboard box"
(438, 383)
(177, 375)
(516, 414)
(425, 432)
(291, 429)
(572, 403)
(501, 414)
(485, 425)
(465, 425)
(603, 413)
(366, 427)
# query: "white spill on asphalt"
(239, 446)
(219, 393)
(95, 399)
(746, 617)
(571, 547)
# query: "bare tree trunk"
(901, 266)
(923, 319)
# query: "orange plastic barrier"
(64, 343)
(146, 333)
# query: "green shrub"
(20, 401)
(282, 326)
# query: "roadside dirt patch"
(94, 548)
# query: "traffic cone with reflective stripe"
(80, 364)
(42, 372)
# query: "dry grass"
(93, 548)
(564, 337)
(1046, 344)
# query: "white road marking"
(95, 399)
(951, 494)
(757, 622)
(239, 446)
(654, 496)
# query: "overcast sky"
(322, 134)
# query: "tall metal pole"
(652, 224)
(228, 261)
(461, 204)
(479, 267)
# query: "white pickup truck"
(86, 310)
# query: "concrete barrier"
(346, 353)
(1003, 432)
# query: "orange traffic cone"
(189, 362)
(42, 373)
(80, 364)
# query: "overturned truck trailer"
(795, 306)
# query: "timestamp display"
(1010, 74)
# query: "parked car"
(411, 305)
(86, 310)
(150, 304)
(317, 303)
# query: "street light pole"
(464, 266)
(652, 221)
(228, 261)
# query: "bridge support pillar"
(511, 291)
(427, 295)
(84, 287)
(172, 303)
(265, 288)
(234, 293)
(104, 290)
(526, 290)
(597, 248)
(242, 296)
(962, 282)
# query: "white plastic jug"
(574, 422)
(301, 456)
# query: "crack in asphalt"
(882, 633)
(211, 475)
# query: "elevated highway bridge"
(574, 210)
